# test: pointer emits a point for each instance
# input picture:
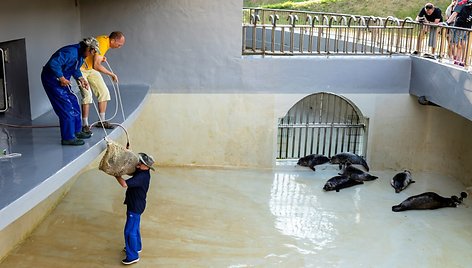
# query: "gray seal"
(401, 180)
(312, 160)
(342, 159)
(429, 200)
(356, 174)
(340, 182)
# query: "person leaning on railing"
(428, 15)
(449, 12)
(461, 17)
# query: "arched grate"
(322, 123)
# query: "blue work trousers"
(65, 104)
(132, 235)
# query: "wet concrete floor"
(209, 217)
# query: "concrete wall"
(214, 107)
(223, 105)
(444, 85)
(195, 47)
(240, 130)
(183, 47)
(46, 26)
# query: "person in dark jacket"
(135, 200)
(55, 77)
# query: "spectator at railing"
(450, 34)
(428, 15)
(461, 17)
(455, 11)
(450, 9)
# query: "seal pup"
(339, 182)
(312, 160)
(401, 180)
(343, 158)
(356, 174)
(429, 200)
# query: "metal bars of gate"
(322, 123)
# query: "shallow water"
(205, 217)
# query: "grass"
(379, 8)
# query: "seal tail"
(458, 200)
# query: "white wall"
(46, 25)
(169, 43)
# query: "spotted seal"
(356, 174)
(312, 160)
(339, 182)
(344, 158)
(429, 200)
(401, 180)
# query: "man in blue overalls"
(64, 64)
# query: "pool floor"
(210, 217)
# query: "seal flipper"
(397, 208)
(371, 177)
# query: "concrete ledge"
(444, 85)
(45, 165)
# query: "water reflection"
(299, 213)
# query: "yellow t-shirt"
(103, 46)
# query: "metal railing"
(290, 32)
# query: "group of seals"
(348, 177)
(428, 200)
(342, 159)
(351, 176)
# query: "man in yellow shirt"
(91, 70)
